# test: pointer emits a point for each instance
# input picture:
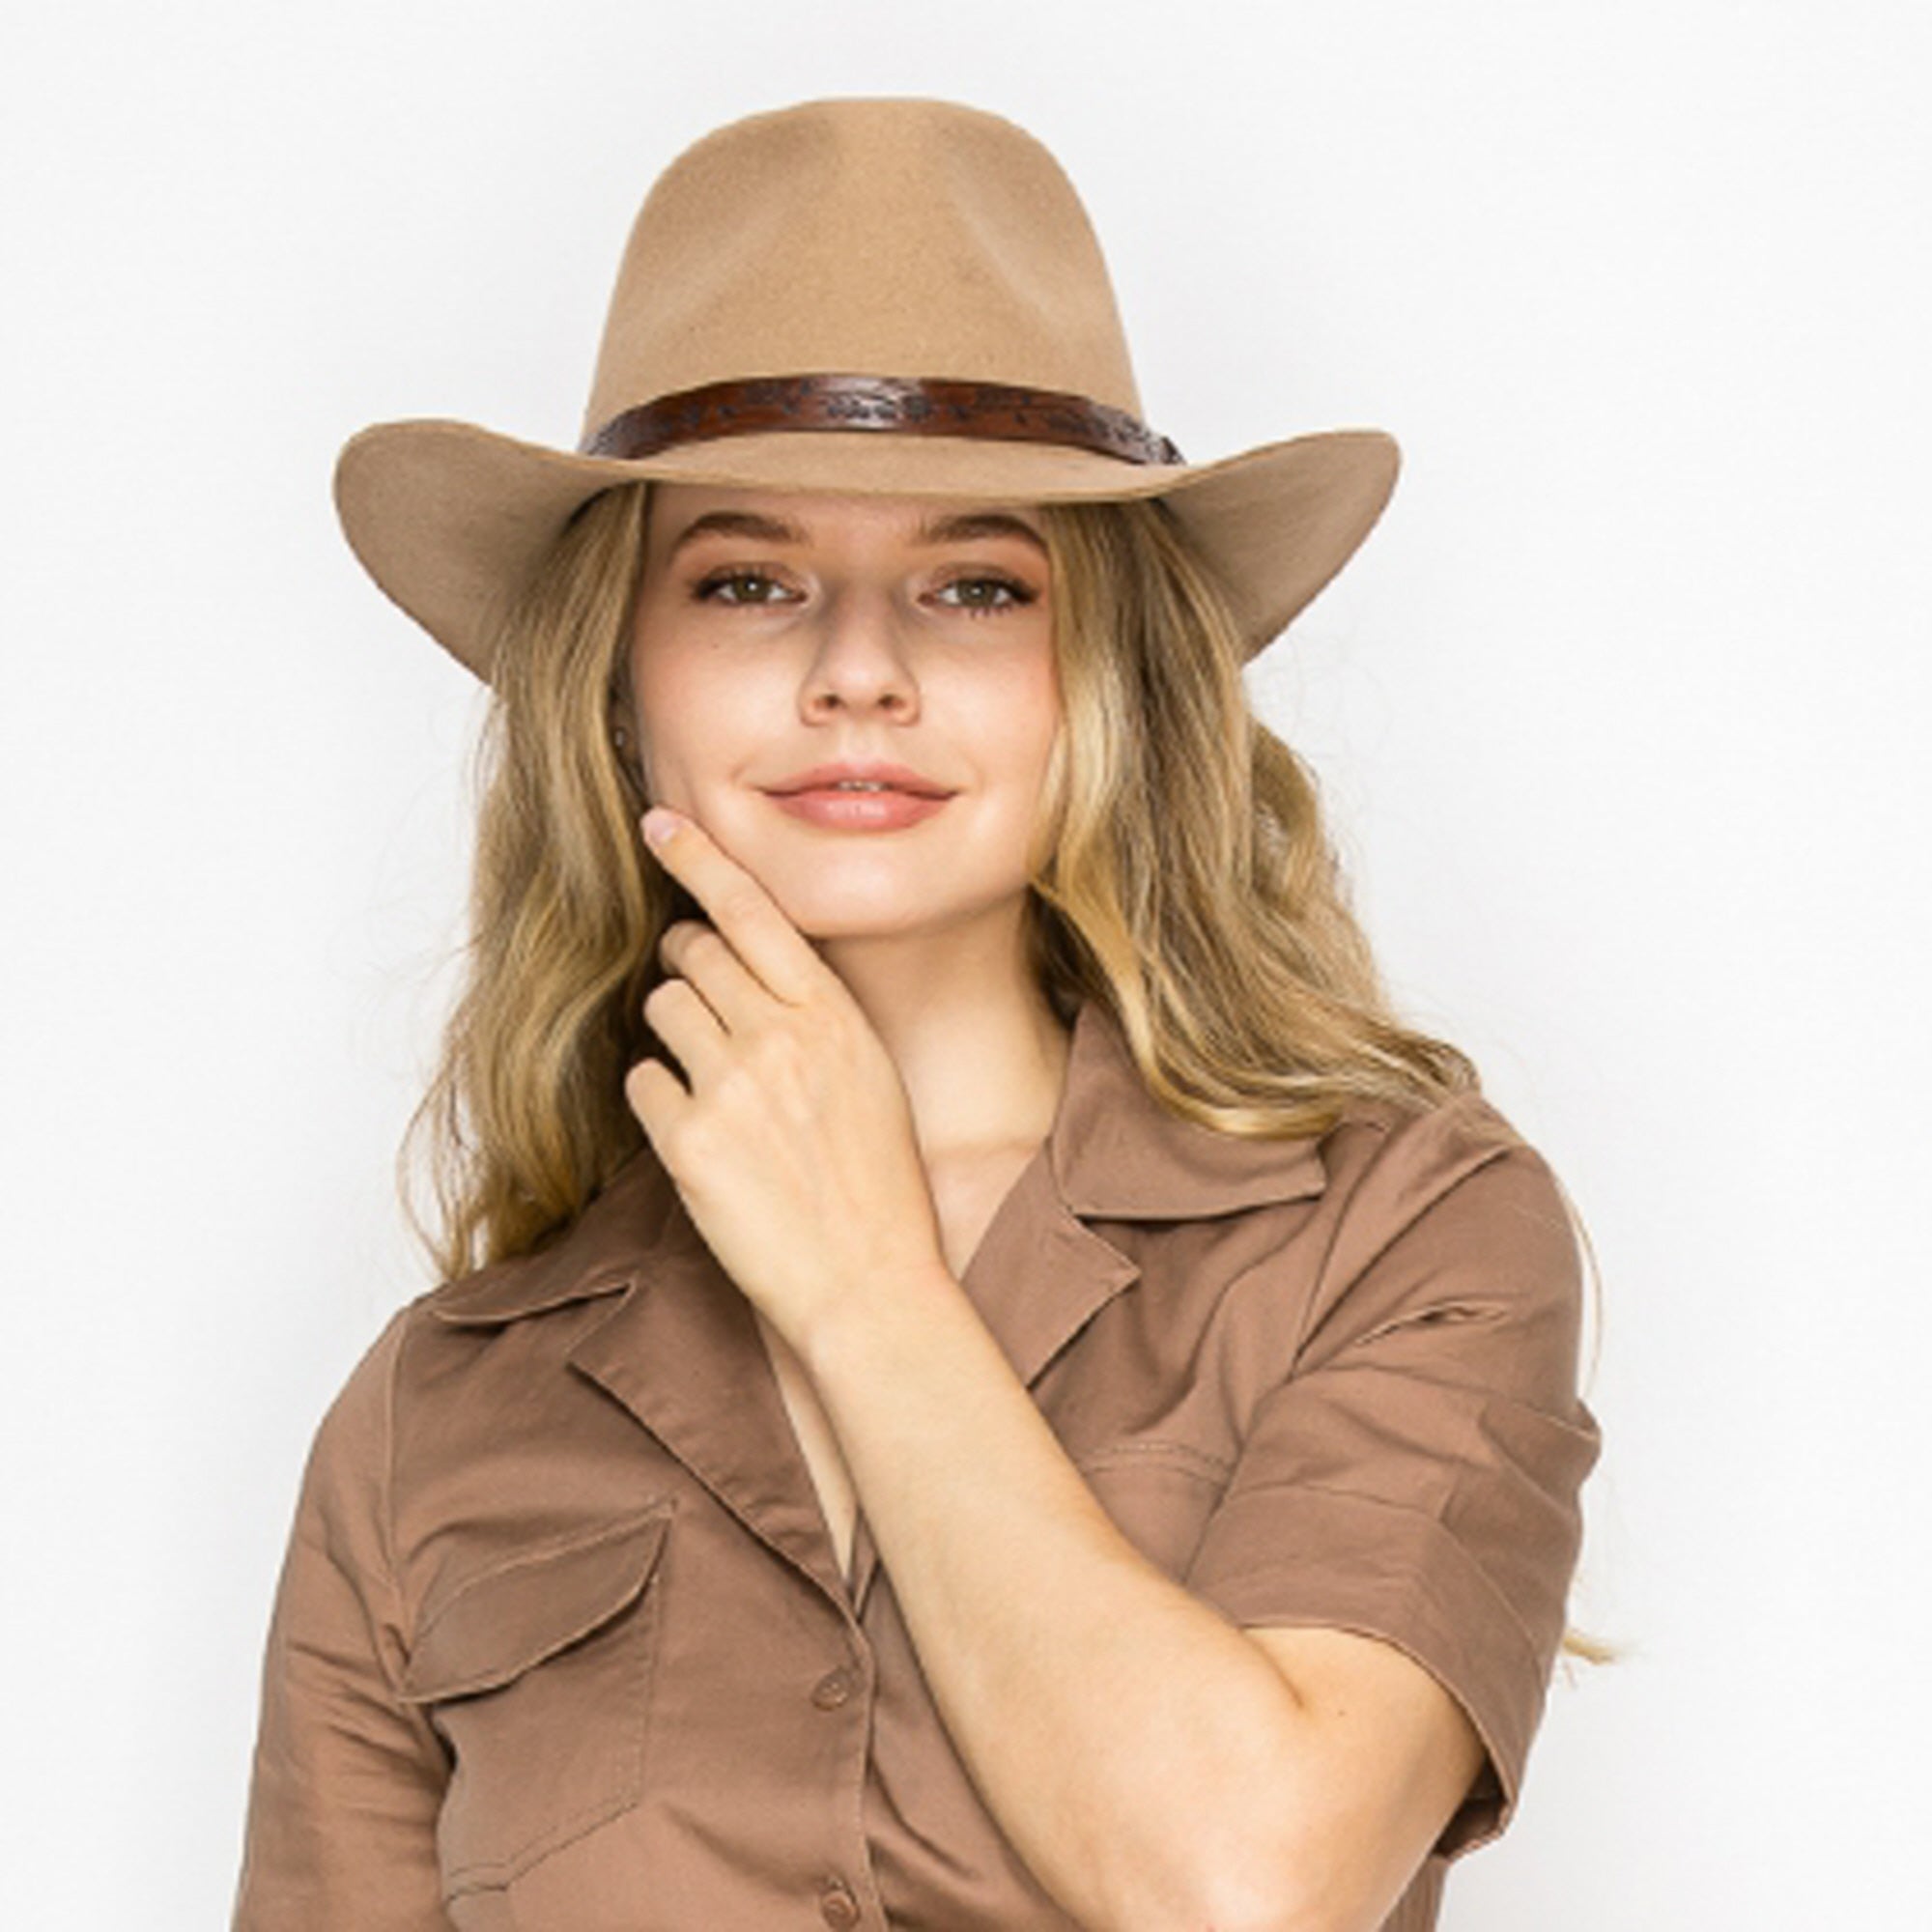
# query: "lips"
(831, 809)
(827, 778)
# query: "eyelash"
(1018, 593)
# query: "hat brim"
(452, 519)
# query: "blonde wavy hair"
(1182, 875)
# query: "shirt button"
(839, 1907)
(831, 1690)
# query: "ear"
(623, 743)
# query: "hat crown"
(888, 236)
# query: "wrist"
(867, 1316)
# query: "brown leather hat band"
(907, 404)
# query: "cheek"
(693, 712)
(1019, 719)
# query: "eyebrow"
(960, 527)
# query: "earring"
(622, 739)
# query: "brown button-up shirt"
(560, 1642)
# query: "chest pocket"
(537, 1674)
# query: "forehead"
(684, 511)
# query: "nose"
(861, 658)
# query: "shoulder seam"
(1509, 1143)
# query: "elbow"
(1248, 1907)
(1285, 1892)
(1258, 1909)
(1234, 1896)
(1279, 1851)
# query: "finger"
(657, 1097)
(679, 1017)
(772, 948)
(702, 955)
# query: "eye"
(991, 594)
(985, 594)
(734, 580)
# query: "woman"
(982, 1377)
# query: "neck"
(978, 1044)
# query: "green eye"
(732, 580)
(987, 594)
(1009, 595)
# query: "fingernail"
(659, 823)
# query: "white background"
(1621, 714)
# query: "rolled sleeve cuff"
(1310, 1555)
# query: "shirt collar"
(1113, 1153)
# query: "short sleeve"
(346, 1780)
(1416, 1476)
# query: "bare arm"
(1145, 1757)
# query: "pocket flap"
(498, 1624)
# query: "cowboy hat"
(890, 295)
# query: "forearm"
(1132, 1744)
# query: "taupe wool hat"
(867, 295)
